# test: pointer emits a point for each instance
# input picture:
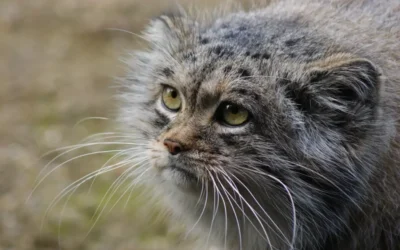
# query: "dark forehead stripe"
(168, 72)
(245, 92)
(231, 35)
(222, 51)
(204, 40)
(189, 56)
(243, 72)
(292, 42)
(203, 71)
(194, 92)
(240, 72)
(227, 69)
(264, 56)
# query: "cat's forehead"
(218, 67)
(204, 78)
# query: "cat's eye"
(233, 115)
(171, 99)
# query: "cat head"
(252, 122)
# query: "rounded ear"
(167, 31)
(338, 91)
(343, 79)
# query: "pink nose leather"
(173, 147)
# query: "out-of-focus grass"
(57, 63)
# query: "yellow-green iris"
(171, 99)
(234, 115)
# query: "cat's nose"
(173, 147)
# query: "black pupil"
(233, 109)
(173, 93)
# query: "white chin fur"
(159, 161)
(175, 177)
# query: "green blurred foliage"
(58, 60)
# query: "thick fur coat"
(317, 164)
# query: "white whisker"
(225, 210)
(88, 119)
(76, 147)
(115, 183)
(202, 212)
(76, 184)
(234, 213)
(126, 151)
(263, 210)
(65, 162)
(215, 210)
(131, 186)
(256, 215)
(294, 217)
(110, 196)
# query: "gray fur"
(317, 164)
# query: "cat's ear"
(340, 89)
(342, 78)
(169, 30)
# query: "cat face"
(210, 118)
(275, 134)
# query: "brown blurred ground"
(57, 63)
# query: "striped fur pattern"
(316, 166)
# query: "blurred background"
(58, 60)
